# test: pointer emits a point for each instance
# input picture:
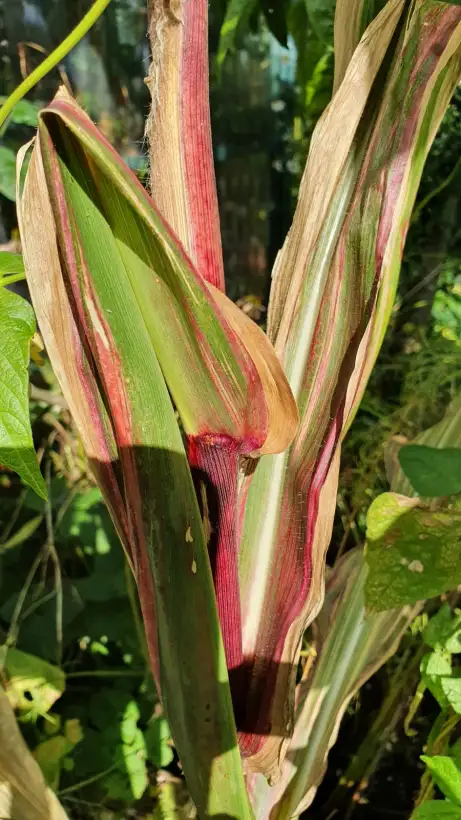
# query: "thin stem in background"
(55, 57)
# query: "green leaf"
(11, 263)
(432, 472)
(50, 754)
(238, 12)
(24, 113)
(444, 630)
(157, 737)
(451, 687)
(33, 684)
(321, 15)
(8, 173)
(437, 810)
(446, 775)
(435, 667)
(412, 553)
(17, 326)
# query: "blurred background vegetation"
(76, 667)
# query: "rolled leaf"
(334, 284)
(182, 174)
(227, 406)
(107, 245)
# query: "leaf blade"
(17, 323)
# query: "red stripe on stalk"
(206, 249)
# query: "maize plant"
(216, 445)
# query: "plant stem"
(88, 782)
(106, 673)
(55, 57)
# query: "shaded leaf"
(432, 471)
(22, 534)
(275, 12)
(8, 173)
(23, 113)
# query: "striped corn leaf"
(333, 289)
(120, 305)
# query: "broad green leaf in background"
(24, 113)
(432, 471)
(446, 774)
(412, 553)
(7, 172)
(17, 326)
(444, 435)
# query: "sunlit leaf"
(33, 685)
(11, 263)
(412, 552)
(446, 774)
